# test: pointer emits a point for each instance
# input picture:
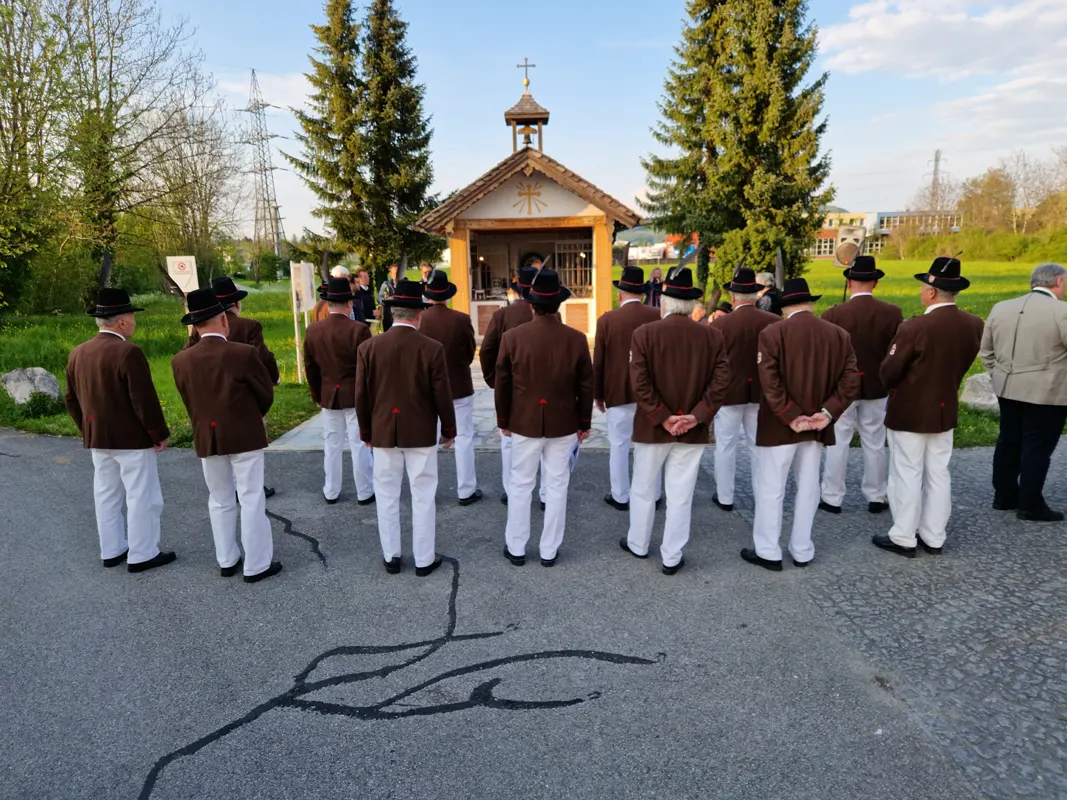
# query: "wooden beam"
(460, 263)
(602, 288)
(527, 223)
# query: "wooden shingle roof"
(436, 221)
(526, 110)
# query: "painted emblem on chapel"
(529, 195)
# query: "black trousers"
(1029, 434)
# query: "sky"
(907, 77)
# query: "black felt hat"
(438, 287)
(338, 290)
(632, 281)
(679, 285)
(322, 290)
(796, 292)
(944, 274)
(407, 294)
(227, 292)
(864, 269)
(112, 302)
(744, 282)
(547, 290)
(202, 305)
(522, 285)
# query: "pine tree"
(332, 163)
(395, 145)
(747, 175)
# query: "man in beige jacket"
(1024, 349)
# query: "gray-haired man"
(1024, 349)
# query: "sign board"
(302, 276)
(182, 270)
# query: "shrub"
(41, 405)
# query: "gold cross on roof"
(525, 66)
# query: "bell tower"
(526, 114)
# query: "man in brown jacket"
(401, 394)
(330, 361)
(112, 400)
(740, 410)
(871, 324)
(243, 330)
(453, 329)
(679, 372)
(929, 357)
(808, 374)
(544, 404)
(611, 377)
(227, 391)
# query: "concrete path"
(863, 676)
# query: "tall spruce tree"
(395, 146)
(331, 163)
(743, 124)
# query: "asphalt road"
(863, 676)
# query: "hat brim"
(956, 285)
(632, 288)
(742, 288)
(798, 299)
(444, 294)
(196, 317)
(538, 299)
(393, 302)
(337, 298)
(229, 301)
(877, 275)
(684, 294)
(92, 312)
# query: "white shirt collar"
(113, 333)
(631, 300)
(798, 311)
(1043, 290)
(404, 325)
(936, 306)
(861, 294)
(746, 305)
(219, 335)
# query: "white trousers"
(774, 464)
(554, 456)
(869, 417)
(245, 470)
(620, 432)
(420, 463)
(463, 447)
(920, 487)
(338, 425)
(136, 473)
(680, 464)
(506, 446)
(730, 422)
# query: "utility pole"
(935, 185)
(268, 233)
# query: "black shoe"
(750, 556)
(517, 561)
(611, 501)
(274, 568)
(659, 504)
(474, 498)
(369, 501)
(877, 508)
(422, 572)
(672, 570)
(1045, 514)
(882, 540)
(393, 567)
(542, 505)
(504, 498)
(268, 492)
(1004, 504)
(723, 506)
(329, 502)
(229, 572)
(549, 562)
(824, 506)
(114, 561)
(934, 551)
(160, 560)
(625, 545)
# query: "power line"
(268, 230)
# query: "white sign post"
(303, 293)
(182, 270)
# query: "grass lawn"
(46, 341)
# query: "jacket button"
(544, 402)
(862, 374)
(338, 386)
(396, 410)
(750, 380)
(89, 417)
(212, 424)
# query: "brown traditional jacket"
(402, 390)
(321, 311)
(330, 360)
(544, 380)
(503, 320)
(678, 367)
(927, 360)
(454, 330)
(805, 365)
(741, 329)
(245, 330)
(611, 352)
(227, 391)
(872, 324)
(111, 397)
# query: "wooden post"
(460, 262)
(540, 138)
(296, 333)
(602, 267)
(514, 138)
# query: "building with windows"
(880, 226)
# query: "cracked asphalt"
(863, 676)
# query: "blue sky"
(976, 79)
